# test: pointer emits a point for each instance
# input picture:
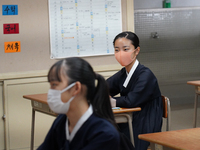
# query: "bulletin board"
(83, 27)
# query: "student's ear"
(77, 88)
(137, 50)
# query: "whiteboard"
(83, 27)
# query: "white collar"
(129, 75)
(80, 122)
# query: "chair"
(166, 111)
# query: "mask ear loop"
(134, 53)
(68, 87)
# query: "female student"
(138, 87)
(85, 119)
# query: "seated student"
(85, 119)
(138, 87)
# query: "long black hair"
(77, 69)
(128, 35)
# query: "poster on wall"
(9, 10)
(12, 47)
(12, 28)
(83, 27)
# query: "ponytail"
(101, 101)
(77, 69)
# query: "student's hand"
(112, 102)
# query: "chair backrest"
(165, 104)
(166, 111)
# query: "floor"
(182, 117)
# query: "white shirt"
(80, 122)
(129, 75)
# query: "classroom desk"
(39, 103)
(186, 139)
(197, 92)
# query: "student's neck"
(128, 67)
(75, 113)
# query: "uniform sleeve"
(113, 84)
(143, 90)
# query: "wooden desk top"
(42, 98)
(187, 139)
(196, 83)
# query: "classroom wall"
(34, 37)
(25, 72)
(146, 4)
(173, 57)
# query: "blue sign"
(9, 9)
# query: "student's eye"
(53, 85)
(116, 50)
(126, 49)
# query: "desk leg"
(32, 128)
(130, 127)
(195, 110)
(167, 148)
(129, 121)
(153, 146)
(131, 130)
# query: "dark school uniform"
(95, 134)
(141, 91)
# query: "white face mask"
(55, 103)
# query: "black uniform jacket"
(141, 91)
(95, 134)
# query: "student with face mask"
(138, 87)
(85, 119)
